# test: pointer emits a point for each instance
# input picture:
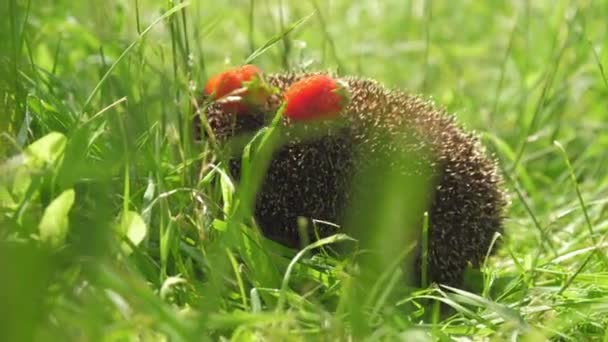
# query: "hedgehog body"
(313, 178)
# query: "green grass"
(114, 227)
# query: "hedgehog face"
(314, 178)
(225, 125)
(291, 179)
(235, 102)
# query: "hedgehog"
(314, 178)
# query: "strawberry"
(316, 97)
(239, 89)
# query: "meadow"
(111, 229)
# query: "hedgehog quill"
(313, 178)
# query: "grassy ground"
(96, 145)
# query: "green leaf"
(53, 226)
(47, 149)
(219, 225)
(227, 190)
(134, 228)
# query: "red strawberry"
(239, 89)
(316, 97)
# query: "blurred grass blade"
(167, 14)
(276, 39)
(319, 243)
(578, 190)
